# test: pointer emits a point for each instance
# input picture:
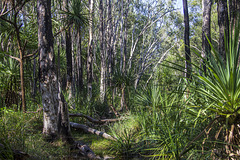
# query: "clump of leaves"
(12, 129)
(219, 88)
(127, 135)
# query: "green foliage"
(160, 127)
(216, 92)
(76, 14)
(221, 83)
(12, 131)
(127, 134)
(9, 82)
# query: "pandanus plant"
(220, 88)
(221, 85)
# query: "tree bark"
(124, 56)
(206, 31)
(234, 7)
(68, 53)
(55, 113)
(79, 60)
(103, 56)
(223, 27)
(90, 51)
(188, 65)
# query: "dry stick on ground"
(96, 121)
(91, 130)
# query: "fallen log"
(91, 130)
(96, 121)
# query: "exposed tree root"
(91, 130)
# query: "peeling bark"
(55, 112)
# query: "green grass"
(23, 131)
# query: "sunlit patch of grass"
(40, 149)
(101, 146)
(127, 134)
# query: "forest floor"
(38, 149)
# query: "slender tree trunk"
(109, 48)
(79, 60)
(73, 85)
(223, 26)
(68, 54)
(55, 111)
(206, 31)
(103, 57)
(34, 87)
(90, 51)
(24, 108)
(58, 58)
(69, 62)
(21, 55)
(124, 46)
(188, 66)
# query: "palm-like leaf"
(222, 82)
(76, 14)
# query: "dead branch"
(96, 121)
(84, 150)
(91, 130)
(114, 111)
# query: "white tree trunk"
(103, 57)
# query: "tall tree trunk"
(124, 46)
(109, 48)
(21, 61)
(73, 85)
(188, 65)
(68, 54)
(69, 62)
(55, 111)
(223, 23)
(90, 51)
(79, 60)
(24, 108)
(206, 31)
(58, 58)
(103, 56)
(234, 8)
